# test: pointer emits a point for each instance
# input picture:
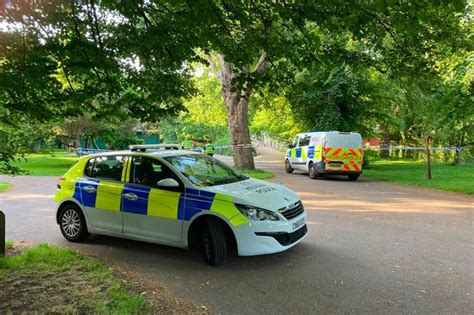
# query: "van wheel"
(214, 243)
(353, 177)
(288, 167)
(72, 224)
(312, 172)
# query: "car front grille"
(293, 212)
(286, 239)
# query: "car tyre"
(353, 177)
(288, 168)
(73, 224)
(214, 243)
(312, 172)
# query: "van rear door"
(343, 152)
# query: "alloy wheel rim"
(71, 223)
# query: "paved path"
(372, 247)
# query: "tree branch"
(214, 68)
(260, 68)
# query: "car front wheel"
(214, 243)
(72, 224)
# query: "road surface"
(372, 247)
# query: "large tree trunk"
(238, 122)
(236, 101)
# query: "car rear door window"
(105, 167)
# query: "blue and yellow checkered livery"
(109, 196)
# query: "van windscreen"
(343, 140)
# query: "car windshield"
(202, 170)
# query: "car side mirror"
(290, 145)
(167, 183)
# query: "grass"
(444, 176)
(257, 173)
(8, 244)
(4, 186)
(46, 164)
(48, 279)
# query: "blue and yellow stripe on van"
(305, 152)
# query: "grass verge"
(52, 164)
(48, 279)
(444, 176)
(4, 186)
(257, 173)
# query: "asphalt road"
(372, 247)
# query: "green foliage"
(336, 98)
(204, 119)
(273, 116)
(122, 59)
(119, 135)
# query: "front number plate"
(298, 224)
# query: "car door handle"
(130, 196)
(90, 189)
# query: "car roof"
(149, 152)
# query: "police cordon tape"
(404, 148)
(238, 146)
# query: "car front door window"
(147, 171)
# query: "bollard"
(2, 234)
(428, 138)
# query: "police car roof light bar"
(162, 146)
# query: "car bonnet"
(257, 193)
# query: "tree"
(79, 127)
(133, 57)
(236, 99)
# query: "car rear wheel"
(288, 167)
(214, 243)
(72, 224)
(312, 172)
(353, 177)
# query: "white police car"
(163, 195)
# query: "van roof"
(329, 132)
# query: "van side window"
(105, 167)
(304, 141)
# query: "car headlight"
(257, 214)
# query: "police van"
(326, 153)
(165, 195)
